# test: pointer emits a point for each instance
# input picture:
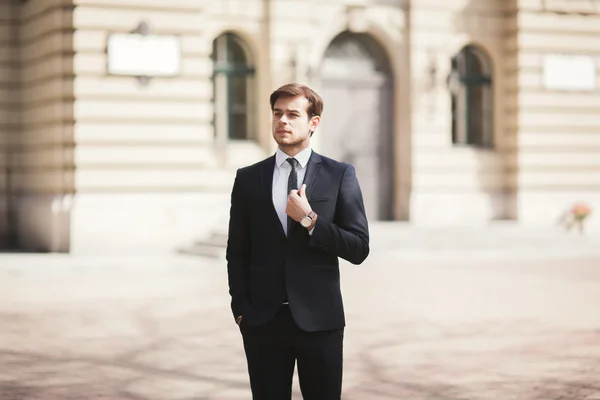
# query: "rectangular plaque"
(144, 55)
(569, 72)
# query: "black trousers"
(273, 349)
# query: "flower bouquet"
(577, 215)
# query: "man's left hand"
(297, 205)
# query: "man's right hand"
(238, 320)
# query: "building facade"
(454, 112)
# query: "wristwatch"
(307, 220)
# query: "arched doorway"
(233, 78)
(357, 128)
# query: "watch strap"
(313, 220)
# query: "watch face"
(305, 222)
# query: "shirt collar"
(302, 157)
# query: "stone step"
(212, 246)
(216, 239)
(403, 237)
(203, 250)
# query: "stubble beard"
(295, 144)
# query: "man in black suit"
(292, 215)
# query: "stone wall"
(558, 130)
(9, 113)
(459, 184)
(148, 175)
(43, 150)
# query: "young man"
(292, 215)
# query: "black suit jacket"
(263, 264)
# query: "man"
(292, 215)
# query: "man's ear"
(314, 123)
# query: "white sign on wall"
(569, 72)
(144, 55)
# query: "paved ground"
(475, 326)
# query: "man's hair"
(315, 102)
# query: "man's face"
(291, 125)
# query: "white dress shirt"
(281, 173)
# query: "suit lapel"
(313, 168)
(267, 189)
(312, 172)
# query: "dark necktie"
(292, 185)
(293, 178)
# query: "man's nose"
(283, 120)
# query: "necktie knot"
(293, 162)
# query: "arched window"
(233, 78)
(470, 84)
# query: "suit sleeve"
(348, 237)
(238, 248)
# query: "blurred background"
(474, 126)
(123, 122)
